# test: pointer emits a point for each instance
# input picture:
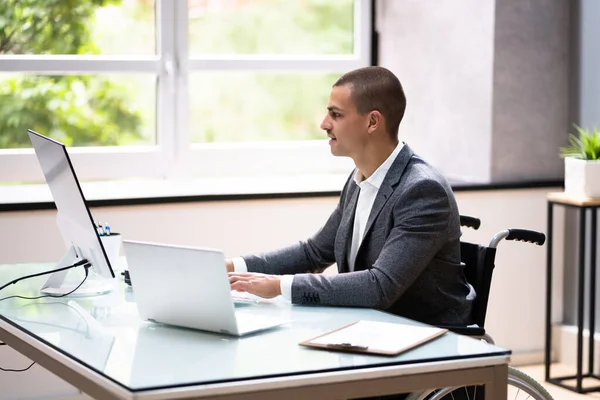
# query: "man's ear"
(375, 121)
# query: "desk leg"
(592, 323)
(548, 355)
(580, 297)
(497, 389)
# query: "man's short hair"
(376, 88)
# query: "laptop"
(188, 287)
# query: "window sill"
(137, 192)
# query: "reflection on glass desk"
(105, 333)
(66, 326)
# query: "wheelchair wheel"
(520, 386)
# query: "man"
(395, 232)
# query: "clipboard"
(374, 337)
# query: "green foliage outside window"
(225, 106)
(251, 106)
(79, 110)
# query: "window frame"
(174, 156)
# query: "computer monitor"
(74, 221)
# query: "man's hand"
(262, 285)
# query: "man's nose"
(325, 124)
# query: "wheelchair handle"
(522, 235)
(525, 235)
(470, 222)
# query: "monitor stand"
(57, 286)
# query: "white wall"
(490, 78)
(234, 226)
(443, 53)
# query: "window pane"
(251, 106)
(271, 27)
(87, 110)
(81, 27)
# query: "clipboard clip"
(348, 346)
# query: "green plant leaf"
(585, 145)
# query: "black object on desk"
(126, 277)
(582, 205)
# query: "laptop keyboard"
(244, 298)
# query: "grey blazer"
(408, 262)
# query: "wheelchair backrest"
(479, 266)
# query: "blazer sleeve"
(308, 256)
(420, 226)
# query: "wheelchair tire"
(524, 382)
(520, 381)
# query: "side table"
(583, 205)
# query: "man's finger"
(240, 274)
(240, 278)
(240, 286)
(248, 287)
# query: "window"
(198, 88)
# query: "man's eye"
(335, 115)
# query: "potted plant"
(582, 163)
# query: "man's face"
(346, 128)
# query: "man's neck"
(373, 156)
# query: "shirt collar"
(379, 175)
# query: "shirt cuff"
(239, 265)
(285, 284)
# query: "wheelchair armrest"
(473, 330)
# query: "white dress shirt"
(366, 198)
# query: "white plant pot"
(582, 177)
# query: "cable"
(77, 264)
(17, 370)
(87, 265)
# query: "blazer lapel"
(346, 228)
(389, 183)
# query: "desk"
(582, 205)
(102, 347)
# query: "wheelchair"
(479, 266)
